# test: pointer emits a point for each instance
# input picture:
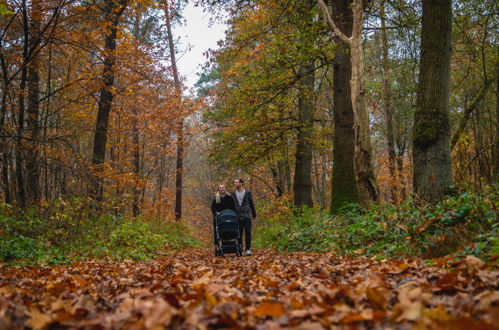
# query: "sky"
(197, 35)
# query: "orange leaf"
(269, 309)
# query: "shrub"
(466, 222)
(69, 232)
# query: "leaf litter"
(269, 290)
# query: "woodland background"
(104, 151)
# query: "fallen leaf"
(37, 319)
(269, 309)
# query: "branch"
(468, 111)
(358, 13)
(332, 25)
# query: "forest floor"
(269, 290)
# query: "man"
(246, 211)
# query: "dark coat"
(226, 202)
(247, 209)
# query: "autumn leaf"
(269, 309)
(37, 319)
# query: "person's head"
(221, 189)
(239, 183)
(220, 192)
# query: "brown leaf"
(37, 319)
(157, 312)
(473, 262)
(365, 315)
(376, 297)
(269, 309)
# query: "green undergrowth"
(462, 224)
(66, 234)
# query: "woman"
(221, 201)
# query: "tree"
(32, 166)
(344, 188)
(302, 188)
(431, 133)
(363, 151)
(180, 124)
(113, 9)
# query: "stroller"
(227, 234)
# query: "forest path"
(269, 290)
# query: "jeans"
(245, 228)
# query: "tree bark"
(180, 125)
(302, 188)
(344, 187)
(431, 132)
(495, 173)
(32, 169)
(387, 100)
(136, 162)
(113, 11)
(363, 155)
(363, 152)
(136, 140)
(21, 192)
(5, 150)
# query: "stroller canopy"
(228, 216)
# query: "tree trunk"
(136, 138)
(113, 11)
(136, 162)
(302, 189)
(21, 192)
(344, 187)
(32, 171)
(363, 151)
(180, 127)
(387, 100)
(5, 150)
(495, 173)
(431, 132)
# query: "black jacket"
(247, 209)
(226, 202)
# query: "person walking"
(221, 201)
(246, 211)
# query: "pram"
(227, 234)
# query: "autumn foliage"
(310, 291)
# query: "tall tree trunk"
(387, 100)
(431, 133)
(495, 173)
(136, 137)
(5, 150)
(32, 172)
(302, 189)
(180, 127)
(21, 192)
(363, 152)
(302, 186)
(113, 11)
(344, 187)
(136, 163)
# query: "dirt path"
(267, 290)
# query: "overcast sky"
(200, 35)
